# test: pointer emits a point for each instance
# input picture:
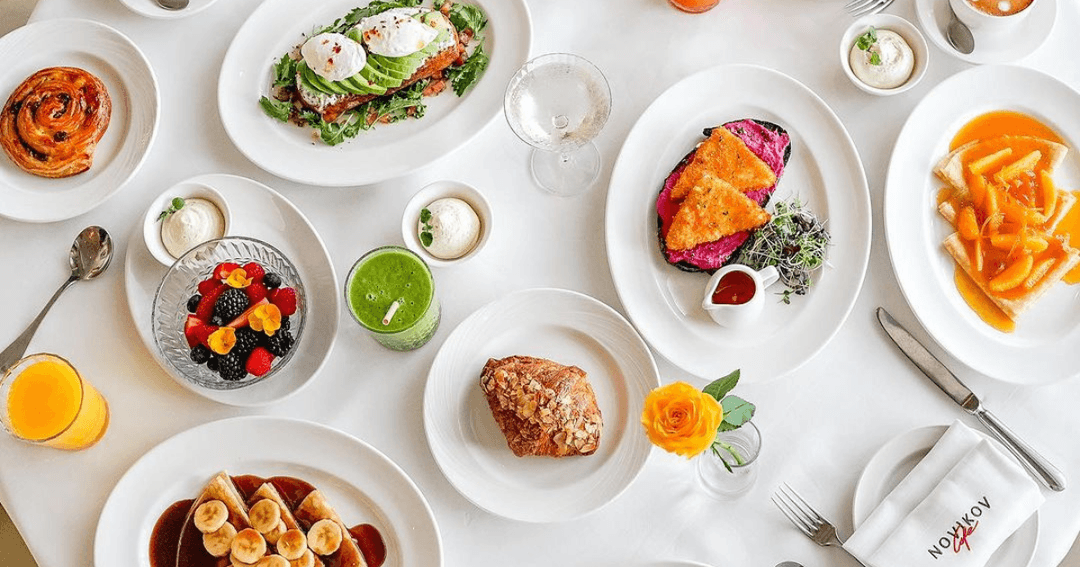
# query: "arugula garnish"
(468, 17)
(279, 109)
(866, 41)
(464, 77)
(175, 205)
(285, 71)
(341, 25)
(426, 238)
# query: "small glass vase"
(715, 478)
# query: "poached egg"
(395, 32)
(334, 56)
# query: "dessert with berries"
(238, 321)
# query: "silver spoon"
(173, 4)
(789, 564)
(958, 34)
(89, 256)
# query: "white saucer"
(1028, 35)
(151, 9)
(268, 216)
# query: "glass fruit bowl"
(181, 282)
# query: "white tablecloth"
(820, 425)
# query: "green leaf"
(279, 109)
(875, 58)
(174, 205)
(425, 215)
(737, 411)
(426, 238)
(285, 72)
(462, 78)
(468, 17)
(177, 204)
(721, 386)
(341, 25)
(867, 39)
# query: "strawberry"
(258, 362)
(206, 307)
(191, 327)
(242, 320)
(202, 334)
(255, 292)
(223, 270)
(206, 286)
(255, 272)
(284, 298)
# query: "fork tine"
(852, 3)
(873, 8)
(858, 5)
(807, 517)
(803, 504)
(799, 522)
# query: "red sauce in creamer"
(735, 288)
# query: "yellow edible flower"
(222, 340)
(681, 419)
(265, 318)
(238, 279)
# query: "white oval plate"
(569, 328)
(1043, 347)
(127, 75)
(1028, 36)
(895, 460)
(258, 212)
(151, 9)
(385, 151)
(824, 171)
(363, 485)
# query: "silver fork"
(809, 522)
(858, 8)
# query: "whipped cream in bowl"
(170, 230)
(446, 222)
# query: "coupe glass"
(557, 103)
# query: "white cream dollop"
(897, 61)
(333, 56)
(454, 228)
(395, 32)
(196, 222)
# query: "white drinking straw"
(390, 313)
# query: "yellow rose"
(681, 419)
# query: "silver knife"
(1035, 463)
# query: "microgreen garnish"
(794, 242)
(426, 237)
(866, 41)
(175, 205)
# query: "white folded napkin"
(954, 509)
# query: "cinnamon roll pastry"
(52, 123)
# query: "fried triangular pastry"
(727, 157)
(713, 209)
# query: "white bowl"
(184, 190)
(901, 27)
(981, 22)
(438, 190)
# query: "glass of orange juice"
(44, 401)
(694, 6)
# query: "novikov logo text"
(956, 537)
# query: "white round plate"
(362, 484)
(569, 328)
(1018, 43)
(1043, 347)
(258, 212)
(824, 172)
(127, 75)
(386, 151)
(151, 9)
(895, 460)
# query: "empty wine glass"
(557, 103)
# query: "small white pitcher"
(731, 315)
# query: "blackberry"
(213, 363)
(200, 354)
(246, 340)
(271, 280)
(231, 367)
(217, 321)
(231, 304)
(285, 324)
(280, 343)
(193, 303)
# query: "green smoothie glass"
(390, 292)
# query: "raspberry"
(255, 292)
(254, 271)
(202, 334)
(272, 281)
(280, 343)
(231, 304)
(223, 270)
(231, 367)
(206, 286)
(205, 310)
(285, 299)
(259, 361)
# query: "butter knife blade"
(1035, 463)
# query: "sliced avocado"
(354, 34)
(393, 63)
(378, 64)
(363, 86)
(379, 78)
(310, 79)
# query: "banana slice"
(237, 563)
(306, 560)
(210, 516)
(248, 546)
(275, 534)
(324, 537)
(273, 561)
(265, 515)
(219, 543)
(292, 545)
